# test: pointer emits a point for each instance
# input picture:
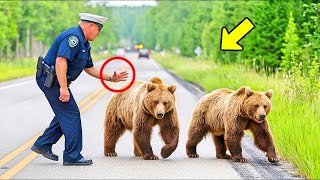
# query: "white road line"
(16, 84)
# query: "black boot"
(46, 154)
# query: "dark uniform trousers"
(66, 121)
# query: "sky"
(131, 3)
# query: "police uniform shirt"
(72, 45)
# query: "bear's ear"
(172, 88)
(248, 91)
(269, 93)
(242, 90)
(150, 86)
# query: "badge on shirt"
(73, 41)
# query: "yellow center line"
(94, 100)
(15, 169)
(85, 100)
(20, 165)
(18, 150)
(23, 147)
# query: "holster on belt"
(50, 75)
(39, 66)
(45, 69)
(49, 71)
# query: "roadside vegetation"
(17, 69)
(294, 118)
(28, 28)
(281, 53)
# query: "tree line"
(28, 28)
(280, 28)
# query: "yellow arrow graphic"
(229, 41)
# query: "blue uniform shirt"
(72, 45)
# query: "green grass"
(16, 69)
(295, 124)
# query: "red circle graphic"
(112, 59)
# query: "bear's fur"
(138, 109)
(226, 114)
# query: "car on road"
(144, 53)
(120, 52)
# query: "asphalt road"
(25, 113)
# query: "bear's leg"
(112, 133)
(263, 140)
(195, 135)
(142, 136)
(137, 151)
(220, 147)
(233, 141)
(169, 129)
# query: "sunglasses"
(99, 27)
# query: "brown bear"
(138, 109)
(226, 114)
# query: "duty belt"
(43, 68)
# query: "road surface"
(25, 113)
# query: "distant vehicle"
(144, 53)
(120, 52)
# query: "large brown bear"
(226, 114)
(138, 109)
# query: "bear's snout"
(160, 115)
(262, 116)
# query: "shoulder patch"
(73, 41)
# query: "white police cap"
(99, 20)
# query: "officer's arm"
(95, 72)
(61, 71)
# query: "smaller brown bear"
(138, 109)
(226, 114)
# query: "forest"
(29, 28)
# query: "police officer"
(69, 54)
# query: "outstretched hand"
(122, 76)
